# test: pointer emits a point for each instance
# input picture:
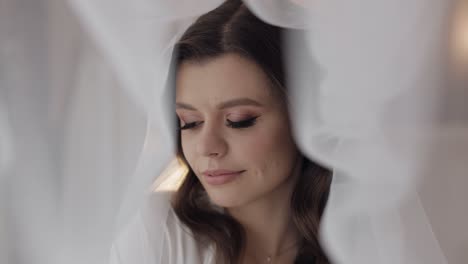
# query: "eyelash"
(236, 125)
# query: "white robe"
(156, 236)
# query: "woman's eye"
(190, 125)
(242, 124)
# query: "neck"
(268, 222)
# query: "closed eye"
(242, 124)
(190, 125)
(238, 125)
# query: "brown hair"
(232, 28)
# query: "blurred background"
(71, 136)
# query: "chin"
(227, 198)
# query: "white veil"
(84, 132)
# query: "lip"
(218, 177)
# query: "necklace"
(271, 258)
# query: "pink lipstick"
(219, 177)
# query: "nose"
(211, 143)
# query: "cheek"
(270, 150)
(188, 149)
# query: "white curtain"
(70, 138)
(84, 134)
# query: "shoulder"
(144, 237)
(156, 235)
(180, 245)
(157, 207)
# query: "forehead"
(222, 78)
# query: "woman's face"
(235, 131)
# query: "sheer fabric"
(85, 136)
(155, 235)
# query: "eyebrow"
(223, 105)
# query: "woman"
(249, 196)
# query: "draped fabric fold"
(378, 93)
